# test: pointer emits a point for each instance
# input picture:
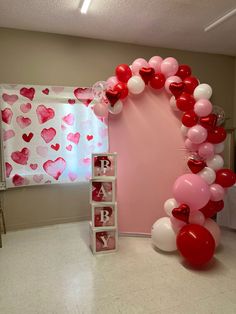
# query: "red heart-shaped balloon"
(209, 122)
(176, 88)
(113, 96)
(181, 213)
(211, 208)
(147, 74)
(196, 165)
(217, 135)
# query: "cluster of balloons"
(197, 195)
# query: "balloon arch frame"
(198, 195)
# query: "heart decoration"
(211, 208)
(33, 166)
(89, 137)
(177, 88)
(113, 96)
(146, 74)
(55, 168)
(10, 99)
(23, 122)
(45, 91)
(209, 122)
(8, 134)
(21, 157)
(74, 137)
(48, 134)
(44, 114)
(28, 92)
(27, 138)
(55, 147)
(25, 107)
(7, 115)
(181, 213)
(8, 169)
(196, 165)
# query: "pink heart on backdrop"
(38, 178)
(33, 166)
(69, 148)
(18, 180)
(7, 115)
(63, 127)
(84, 95)
(99, 144)
(48, 134)
(89, 137)
(87, 161)
(45, 91)
(23, 122)
(10, 99)
(73, 137)
(8, 169)
(57, 89)
(25, 107)
(72, 176)
(69, 119)
(44, 114)
(8, 134)
(28, 92)
(71, 101)
(21, 157)
(55, 168)
(42, 151)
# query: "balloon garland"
(198, 195)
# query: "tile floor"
(51, 270)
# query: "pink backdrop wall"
(147, 138)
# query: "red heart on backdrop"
(146, 74)
(23, 122)
(216, 135)
(21, 157)
(45, 91)
(8, 169)
(7, 115)
(28, 92)
(209, 122)
(25, 107)
(177, 88)
(89, 137)
(55, 147)
(211, 208)
(44, 114)
(27, 138)
(18, 180)
(113, 96)
(55, 168)
(181, 213)
(33, 166)
(196, 165)
(71, 101)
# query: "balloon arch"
(198, 195)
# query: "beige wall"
(49, 59)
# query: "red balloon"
(216, 135)
(122, 88)
(185, 102)
(123, 72)
(158, 81)
(196, 244)
(189, 118)
(225, 177)
(211, 208)
(190, 83)
(184, 71)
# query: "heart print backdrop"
(48, 134)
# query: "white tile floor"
(51, 270)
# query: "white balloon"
(173, 104)
(163, 235)
(117, 108)
(136, 85)
(215, 163)
(214, 229)
(184, 130)
(202, 91)
(169, 205)
(208, 175)
(219, 148)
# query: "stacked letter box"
(103, 227)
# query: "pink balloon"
(197, 134)
(155, 63)
(214, 229)
(171, 79)
(192, 190)
(190, 145)
(112, 81)
(139, 64)
(206, 150)
(176, 224)
(169, 66)
(217, 192)
(196, 217)
(100, 110)
(203, 107)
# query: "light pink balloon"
(203, 107)
(171, 79)
(139, 64)
(192, 190)
(197, 134)
(176, 224)
(100, 110)
(196, 217)
(112, 81)
(206, 150)
(169, 66)
(214, 229)
(217, 192)
(155, 63)
(190, 145)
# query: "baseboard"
(55, 221)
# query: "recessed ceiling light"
(220, 20)
(85, 6)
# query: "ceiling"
(175, 24)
